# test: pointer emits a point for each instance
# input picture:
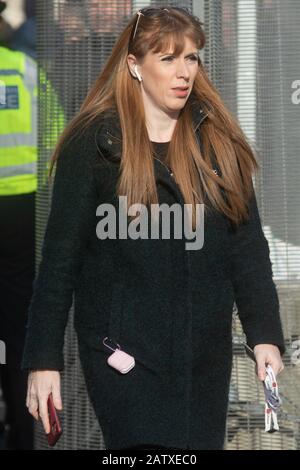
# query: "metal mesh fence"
(251, 55)
(253, 59)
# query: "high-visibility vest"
(18, 123)
(52, 123)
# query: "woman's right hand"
(40, 384)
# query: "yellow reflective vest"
(18, 123)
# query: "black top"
(160, 150)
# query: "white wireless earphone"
(137, 73)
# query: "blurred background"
(252, 56)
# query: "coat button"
(109, 142)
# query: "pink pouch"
(121, 361)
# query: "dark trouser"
(17, 242)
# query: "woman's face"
(162, 73)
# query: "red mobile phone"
(55, 426)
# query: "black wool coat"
(170, 308)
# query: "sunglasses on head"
(156, 12)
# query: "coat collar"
(109, 135)
(109, 139)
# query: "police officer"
(18, 184)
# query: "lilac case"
(121, 361)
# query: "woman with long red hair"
(153, 315)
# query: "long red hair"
(221, 134)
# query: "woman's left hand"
(267, 354)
